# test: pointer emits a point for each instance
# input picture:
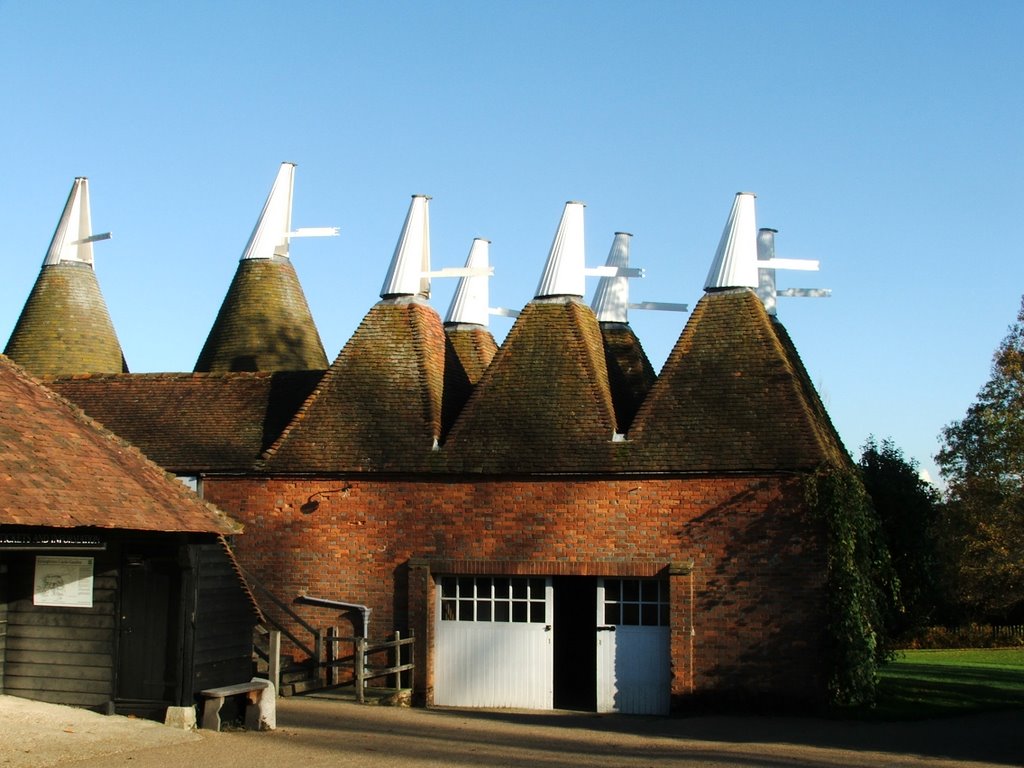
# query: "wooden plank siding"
(224, 620)
(60, 655)
(3, 622)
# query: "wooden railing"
(398, 660)
(266, 644)
(316, 651)
(323, 650)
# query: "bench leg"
(261, 711)
(211, 713)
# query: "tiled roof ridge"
(675, 360)
(595, 360)
(481, 344)
(630, 373)
(469, 350)
(229, 552)
(162, 375)
(431, 377)
(111, 439)
(303, 410)
(826, 432)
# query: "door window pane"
(493, 598)
(636, 602)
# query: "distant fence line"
(968, 636)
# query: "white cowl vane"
(470, 302)
(273, 231)
(611, 300)
(269, 237)
(735, 264)
(73, 238)
(407, 275)
(564, 272)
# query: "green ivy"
(860, 582)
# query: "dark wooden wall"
(224, 621)
(60, 655)
(3, 620)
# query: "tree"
(982, 460)
(907, 510)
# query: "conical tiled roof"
(469, 350)
(378, 408)
(65, 327)
(264, 323)
(630, 373)
(732, 396)
(61, 469)
(544, 404)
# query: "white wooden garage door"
(633, 672)
(493, 642)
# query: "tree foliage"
(907, 508)
(982, 460)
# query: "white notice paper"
(63, 581)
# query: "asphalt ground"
(318, 732)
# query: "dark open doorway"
(575, 646)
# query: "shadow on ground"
(542, 738)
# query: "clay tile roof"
(378, 408)
(264, 323)
(59, 468)
(64, 327)
(630, 373)
(193, 423)
(469, 350)
(733, 396)
(544, 404)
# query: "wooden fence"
(368, 660)
(966, 636)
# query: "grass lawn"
(920, 684)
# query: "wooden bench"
(260, 710)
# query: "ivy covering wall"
(861, 582)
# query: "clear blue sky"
(884, 139)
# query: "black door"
(149, 647)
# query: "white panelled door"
(493, 642)
(633, 673)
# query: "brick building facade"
(558, 526)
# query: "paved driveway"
(314, 733)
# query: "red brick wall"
(746, 619)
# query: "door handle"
(609, 628)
